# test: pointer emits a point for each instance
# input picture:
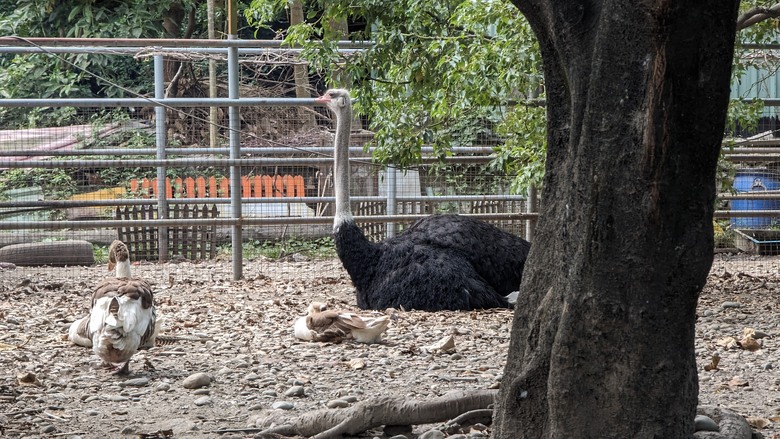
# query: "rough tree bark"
(602, 342)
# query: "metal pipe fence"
(263, 136)
(276, 135)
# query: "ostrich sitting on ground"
(441, 262)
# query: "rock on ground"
(239, 335)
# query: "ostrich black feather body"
(443, 262)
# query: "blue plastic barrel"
(755, 180)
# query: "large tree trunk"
(603, 336)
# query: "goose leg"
(124, 370)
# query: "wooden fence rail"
(189, 242)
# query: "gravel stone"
(704, 423)
(432, 434)
(196, 380)
(135, 382)
(337, 403)
(242, 329)
(204, 400)
(295, 391)
(282, 405)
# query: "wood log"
(55, 253)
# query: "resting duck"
(122, 317)
(321, 324)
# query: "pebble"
(725, 305)
(115, 398)
(92, 412)
(48, 429)
(337, 404)
(135, 382)
(163, 387)
(295, 391)
(91, 398)
(201, 392)
(130, 429)
(704, 423)
(403, 430)
(256, 407)
(432, 434)
(251, 377)
(282, 405)
(204, 400)
(196, 380)
(350, 398)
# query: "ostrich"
(442, 262)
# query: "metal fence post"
(234, 144)
(390, 184)
(530, 207)
(160, 142)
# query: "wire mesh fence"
(94, 170)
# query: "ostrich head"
(336, 99)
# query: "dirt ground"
(240, 335)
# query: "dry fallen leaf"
(757, 422)
(6, 347)
(713, 363)
(727, 342)
(754, 333)
(446, 344)
(738, 382)
(28, 379)
(749, 343)
(357, 363)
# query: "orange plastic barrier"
(200, 187)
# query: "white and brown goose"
(122, 318)
(322, 324)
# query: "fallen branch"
(330, 423)
(482, 416)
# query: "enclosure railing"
(237, 154)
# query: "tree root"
(732, 425)
(329, 423)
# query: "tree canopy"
(441, 74)
(449, 73)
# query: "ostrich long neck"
(122, 269)
(341, 164)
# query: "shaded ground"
(240, 334)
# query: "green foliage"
(56, 183)
(313, 248)
(66, 75)
(443, 73)
(101, 253)
(440, 73)
(522, 155)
